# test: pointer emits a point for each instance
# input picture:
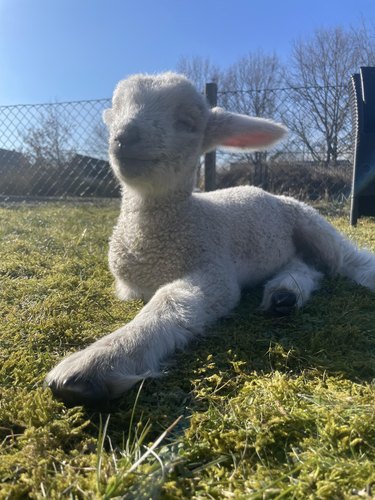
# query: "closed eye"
(185, 125)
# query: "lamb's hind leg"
(290, 288)
(358, 265)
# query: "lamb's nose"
(129, 137)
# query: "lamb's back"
(259, 229)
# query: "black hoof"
(283, 303)
(74, 391)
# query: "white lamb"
(189, 255)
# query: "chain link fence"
(55, 150)
(314, 162)
(59, 150)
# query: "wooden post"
(210, 158)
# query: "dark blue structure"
(363, 112)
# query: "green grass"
(260, 408)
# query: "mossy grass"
(258, 408)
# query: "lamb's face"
(156, 127)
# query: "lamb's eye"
(185, 125)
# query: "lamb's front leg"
(175, 314)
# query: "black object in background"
(363, 113)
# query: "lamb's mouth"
(133, 166)
(137, 158)
(124, 158)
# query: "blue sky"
(59, 50)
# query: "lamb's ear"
(240, 132)
(107, 116)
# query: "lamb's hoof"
(283, 303)
(74, 391)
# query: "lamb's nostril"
(129, 137)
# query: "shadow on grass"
(334, 334)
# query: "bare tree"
(48, 143)
(48, 148)
(319, 73)
(98, 141)
(363, 37)
(199, 70)
(252, 86)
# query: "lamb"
(188, 255)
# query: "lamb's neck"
(135, 202)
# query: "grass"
(260, 408)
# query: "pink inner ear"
(255, 139)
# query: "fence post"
(210, 158)
(363, 113)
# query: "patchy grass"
(260, 408)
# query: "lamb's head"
(159, 125)
(156, 127)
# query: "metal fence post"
(363, 113)
(210, 158)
